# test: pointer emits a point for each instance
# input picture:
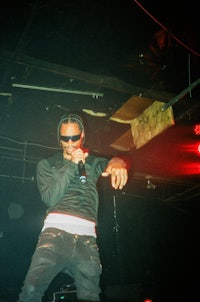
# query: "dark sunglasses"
(73, 138)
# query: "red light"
(192, 148)
(190, 163)
(198, 149)
(148, 300)
(196, 129)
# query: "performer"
(67, 241)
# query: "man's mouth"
(70, 149)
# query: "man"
(67, 242)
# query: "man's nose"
(70, 142)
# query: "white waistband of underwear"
(70, 224)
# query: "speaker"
(65, 296)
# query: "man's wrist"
(118, 160)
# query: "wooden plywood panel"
(124, 142)
(146, 118)
(131, 109)
(150, 123)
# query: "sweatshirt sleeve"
(53, 182)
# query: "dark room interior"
(131, 69)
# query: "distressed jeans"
(58, 251)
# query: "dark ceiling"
(105, 52)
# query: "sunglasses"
(73, 138)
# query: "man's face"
(69, 133)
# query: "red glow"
(190, 168)
(196, 129)
(198, 149)
(148, 300)
(192, 148)
(191, 164)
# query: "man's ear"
(83, 136)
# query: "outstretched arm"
(117, 168)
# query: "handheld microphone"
(82, 172)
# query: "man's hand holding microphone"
(78, 157)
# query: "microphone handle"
(82, 172)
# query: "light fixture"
(196, 129)
(149, 184)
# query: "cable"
(165, 28)
(30, 144)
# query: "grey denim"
(59, 251)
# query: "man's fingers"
(119, 177)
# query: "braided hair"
(70, 118)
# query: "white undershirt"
(70, 224)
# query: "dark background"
(148, 233)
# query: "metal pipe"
(181, 94)
(92, 93)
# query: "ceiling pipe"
(181, 94)
(91, 93)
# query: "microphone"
(82, 172)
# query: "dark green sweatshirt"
(60, 187)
